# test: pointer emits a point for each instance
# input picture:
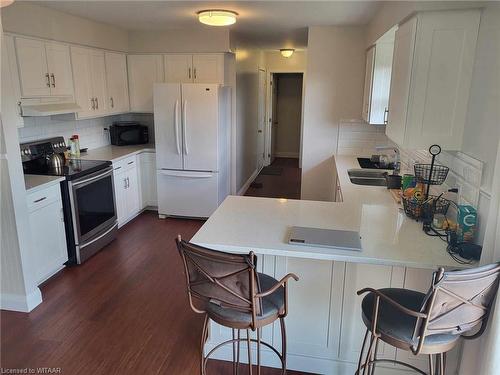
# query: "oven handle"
(98, 238)
(101, 175)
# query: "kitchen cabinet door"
(120, 184)
(178, 68)
(133, 200)
(379, 99)
(33, 69)
(400, 81)
(98, 78)
(48, 233)
(143, 72)
(10, 83)
(359, 276)
(117, 82)
(147, 171)
(59, 68)
(367, 92)
(208, 68)
(82, 76)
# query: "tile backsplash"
(356, 137)
(93, 132)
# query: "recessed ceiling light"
(217, 17)
(287, 52)
(4, 3)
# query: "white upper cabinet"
(432, 70)
(178, 68)
(90, 81)
(11, 104)
(117, 82)
(44, 68)
(143, 72)
(367, 91)
(208, 68)
(199, 68)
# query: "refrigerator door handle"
(176, 127)
(186, 174)
(184, 117)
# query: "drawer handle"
(130, 162)
(39, 200)
(118, 168)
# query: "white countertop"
(388, 237)
(115, 153)
(35, 182)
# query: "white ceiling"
(263, 23)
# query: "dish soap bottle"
(74, 146)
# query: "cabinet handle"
(96, 103)
(118, 168)
(189, 73)
(62, 214)
(20, 108)
(194, 72)
(48, 79)
(53, 80)
(39, 200)
(130, 162)
(386, 116)
(128, 183)
(125, 182)
(112, 102)
(92, 103)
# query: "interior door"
(98, 74)
(32, 61)
(59, 64)
(274, 115)
(261, 125)
(168, 126)
(117, 82)
(83, 81)
(208, 68)
(178, 68)
(200, 126)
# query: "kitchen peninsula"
(324, 324)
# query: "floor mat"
(272, 171)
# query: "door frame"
(269, 98)
(265, 104)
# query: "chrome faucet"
(397, 160)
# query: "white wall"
(186, 40)
(289, 111)
(296, 63)
(247, 83)
(34, 20)
(333, 91)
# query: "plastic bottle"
(76, 142)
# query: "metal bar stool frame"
(207, 282)
(483, 284)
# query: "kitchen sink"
(367, 177)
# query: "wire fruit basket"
(415, 209)
(431, 174)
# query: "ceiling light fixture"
(287, 52)
(217, 17)
(5, 3)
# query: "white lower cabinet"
(127, 189)
(47, 231)
(147, 173)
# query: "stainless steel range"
(87, 195)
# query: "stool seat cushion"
(272, 306)
(397, 327)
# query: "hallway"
(280, 185)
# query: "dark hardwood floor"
(124, 311)
(287, 185)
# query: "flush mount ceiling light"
(287, 52)
(217, 17)
(4, 3)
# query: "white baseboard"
(285, 154)
(19, 302)
(246, 185)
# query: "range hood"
(31, 107)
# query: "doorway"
(285, 110)
(279, 136)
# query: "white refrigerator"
(191, 139)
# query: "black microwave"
(128, 133)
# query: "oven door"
(93, 205)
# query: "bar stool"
(432, 323)
(227, 289)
